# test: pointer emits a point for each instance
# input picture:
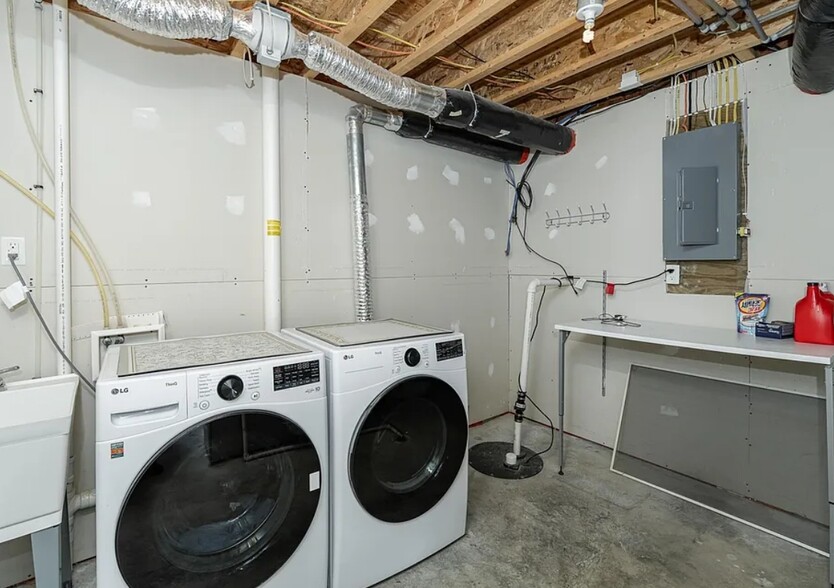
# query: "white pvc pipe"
(511, 459)
(60, 84)
(272, 202)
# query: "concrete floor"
(591, 528)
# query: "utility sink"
(35, 421)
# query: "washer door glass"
(226, 503)
(408, 449)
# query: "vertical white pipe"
(60, 83)
(38, 293)
(512, 458)
(272, 201)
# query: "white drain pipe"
(511, 459)
(272, 201)
(60, 85)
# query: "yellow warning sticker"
(273, 228)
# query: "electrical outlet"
(673, 275)
(12, 245)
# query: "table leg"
(829, 438)
(562, 338)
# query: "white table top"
(706, 339)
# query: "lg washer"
(398, 444)
(211, 464)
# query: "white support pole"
(60, 83)
(272, 200)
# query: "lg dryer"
(398, 442)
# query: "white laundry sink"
(35, 421)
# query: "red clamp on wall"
(609, 289)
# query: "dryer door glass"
(408, 449)
(224, 504)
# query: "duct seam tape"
(273, 228)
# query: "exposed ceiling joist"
(419, 18)
(365, 18)
(714, 49)
(659, 31)
(441, 39)
(545, 38)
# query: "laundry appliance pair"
(323, 456)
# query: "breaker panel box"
(701, 172)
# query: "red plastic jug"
(814, 317)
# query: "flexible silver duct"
(175, 19)
(363, 304)
(328, 56)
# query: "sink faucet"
(13, 368)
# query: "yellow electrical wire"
(105, 308)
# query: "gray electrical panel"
(701, 194)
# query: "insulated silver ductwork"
(174, 19)
(333, 59)
(363, 304)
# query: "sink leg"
(52, 555)
(46, 551)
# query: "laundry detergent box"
(750, 310)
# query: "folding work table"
(715, 340)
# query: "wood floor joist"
(421, 17)
(367, 16)
(534, 44)
(441, 39)
(659, 31)
(721, 46)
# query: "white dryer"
(398, 444)
(211, 464)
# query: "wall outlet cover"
(13, 245)
(673, 277)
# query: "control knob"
(412, 357)
(230, 388)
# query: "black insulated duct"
(418, 126)
(473, 113)
(813, 47)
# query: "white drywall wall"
(167, 178)
(617, 161)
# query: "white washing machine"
(398, 445)
(211, 464)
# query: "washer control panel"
(411, 356)
(295, 374)
(449, 349)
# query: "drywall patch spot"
(141, 199)
(372, 219)
(460, 233)
(415, 225)
(412, 174)
(601, 162)
(451, 175)
(235, 205)
(489, 234)
(492, 322)
(487, 180)
(369, 158)
(455, 326)
(669, 411)
(550, 190)
(553, 232)
(764, 582)
(233, 131)
(491, 369)
(145, 118)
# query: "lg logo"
(348, 356)
(117, 391)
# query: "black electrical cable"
(552, 431)
(632, 282)
(49, 334)
(538, 311)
